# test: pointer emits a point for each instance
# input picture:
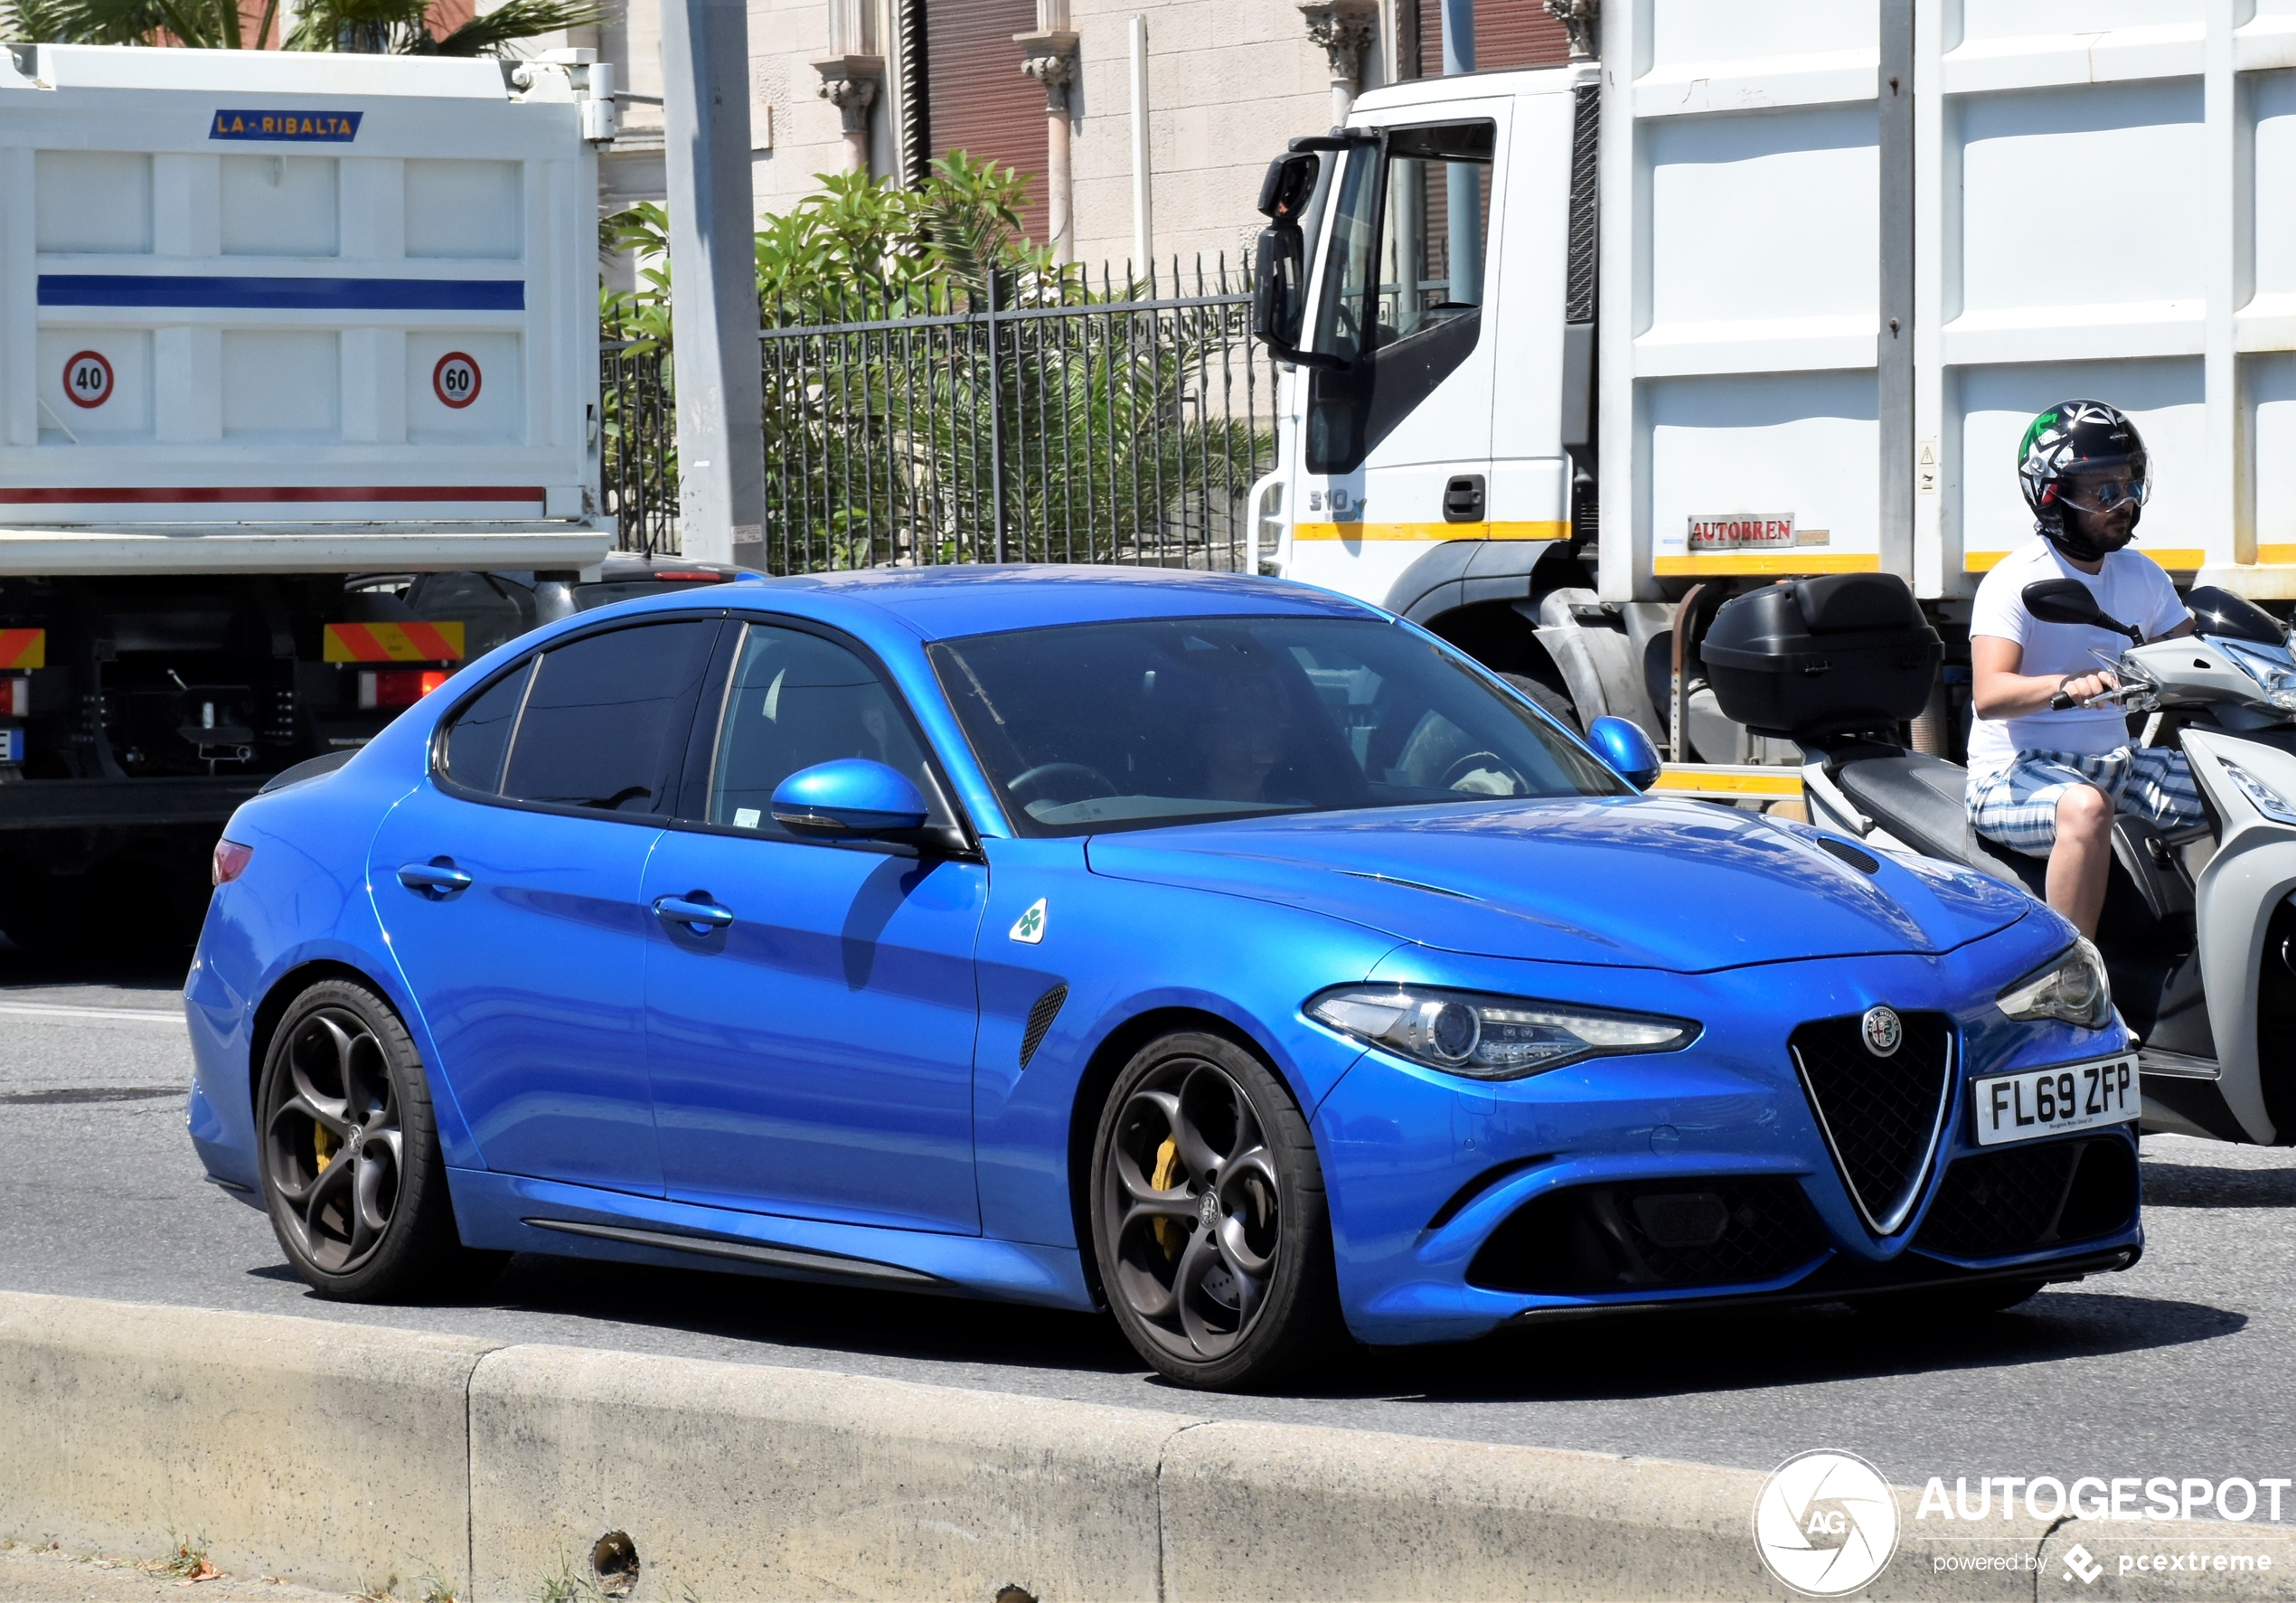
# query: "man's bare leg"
(2082, 855)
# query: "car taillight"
(689, 576)
(230, 860)
(396, 687)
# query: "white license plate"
(2052, 1101)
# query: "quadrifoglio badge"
(1827, 1525)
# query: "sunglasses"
(2109, 495)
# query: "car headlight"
(2072, 986)
(1491, 1037)
(2271, 667)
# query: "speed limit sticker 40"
(87, 379)
(456, 379)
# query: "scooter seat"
(1918, 798)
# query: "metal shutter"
(1508, 33)
(981, 102)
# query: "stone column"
(849, 84)
(1049, 55)
(1345, 28)
(1579, 19)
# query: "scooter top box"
(1822, 657)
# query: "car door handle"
(438, 879)
(697, 915)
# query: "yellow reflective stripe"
(1692, 779)
(1551, 530)
(2182, 558)
(1799, 560)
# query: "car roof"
(945, 603)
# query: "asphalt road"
(2185, 1365)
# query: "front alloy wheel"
(1209, 1220)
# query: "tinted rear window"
(481, 731)
(606, 719)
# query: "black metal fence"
(1048, 420)
(638, 444)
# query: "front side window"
(1093, 727)
(797, 699)
(604, 719)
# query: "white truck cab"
(1771, 291)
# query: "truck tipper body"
(1768, 291)
(278, 331)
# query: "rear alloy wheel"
(1209, 1218)
(352, 1175)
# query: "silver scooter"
(2199, 927)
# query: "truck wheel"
(352, 1175)
(1555, 704)
(1209, 1221)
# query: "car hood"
(1638, 883)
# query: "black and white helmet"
(2078, 436)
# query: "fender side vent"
(1041, 1017)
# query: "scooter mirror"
(2069, 601)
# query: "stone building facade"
(889, 85)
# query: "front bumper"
(1434, 1179)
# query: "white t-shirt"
(2131, 587)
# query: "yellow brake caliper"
(325, 1144)
(1168, 1233)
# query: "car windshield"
(1094, 727)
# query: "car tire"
(343, 1093)
(1209, 1218)
(1555, 704)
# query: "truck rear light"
(396, 687)
(15, 696)
(230, 861)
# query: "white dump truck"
(1772, 290)
(278, 331)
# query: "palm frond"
(512, 22)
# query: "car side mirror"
(850, 799)
(2069, 601)
(1621, 743)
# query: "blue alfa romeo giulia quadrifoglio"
(1217, 950)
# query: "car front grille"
(1591, 1239)
(1881, 1116)
(2023, 1199)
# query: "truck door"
(1396, 447)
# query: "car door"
(508, 885)
(812, 1046)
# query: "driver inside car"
(1246, 737)
(2048, 782)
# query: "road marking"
(141, 1015)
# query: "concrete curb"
(339, 1454)
(336, 1453)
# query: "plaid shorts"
(2018, 806)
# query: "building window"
(976, 98)
(1508, 33)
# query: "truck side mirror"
(1279, 285)
(2069, 601)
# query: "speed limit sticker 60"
(87, 379)
(456, 379)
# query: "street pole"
(1144, 195)
(713, 280)
(1463, 189)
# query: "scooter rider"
(2047, 783)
